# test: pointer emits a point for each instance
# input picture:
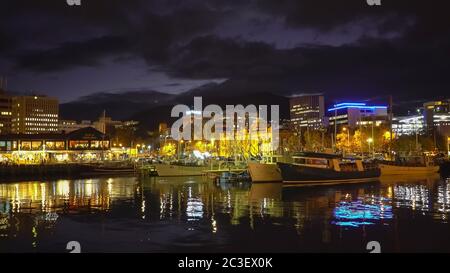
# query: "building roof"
(87, 133)
(358, 105)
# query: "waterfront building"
(85, 144)
(104, 123)
(307, 111)
(34, 115)
(107, 125)
(353, 114)
(68, 126)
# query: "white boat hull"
(177, 170)
(260, 172)
(406, 170)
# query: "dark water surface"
(197, 215)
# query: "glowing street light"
(137, 151)
(370, 141)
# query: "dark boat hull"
(295, 174)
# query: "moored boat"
(318, 168)
(266, 170)
(110, 168)
(396, 169)
(179, 170)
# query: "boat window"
(311, 161)
(300, 160)
(318, 161)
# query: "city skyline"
(224, 135)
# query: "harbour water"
(187, 214)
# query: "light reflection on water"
(362, 212)
(195, 214)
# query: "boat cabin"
(414, 161)
(327, 161)
(271, 159)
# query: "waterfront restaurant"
(83, 145)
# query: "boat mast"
(361, 136)
(391, 114)
(335, 129)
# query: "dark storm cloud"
(322, 14)
(147, 29)
(375, 68)
(210, 57)
(69, 55)
(7, 42)
(206, 39)
(325, 14)
(160, 33)
(431, 18)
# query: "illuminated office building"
(353, 114)
(307, 111)
(5, 112)
(408, 125)
(34, 115)
(436, 116)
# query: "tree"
(168, 149)
(343, 142)
(313, 140)
(408, 143)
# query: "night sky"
(341, 48)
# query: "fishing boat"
(179, 169)
(413, 165)
(110, 168)
(266, 170)
(310, 168)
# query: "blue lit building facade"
(353, 114)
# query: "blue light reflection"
(360, 213)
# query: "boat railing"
(404, 163)
(370, 166)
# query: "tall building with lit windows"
(436, 117)
(307, 111)
(5, 113)
(34, 115)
